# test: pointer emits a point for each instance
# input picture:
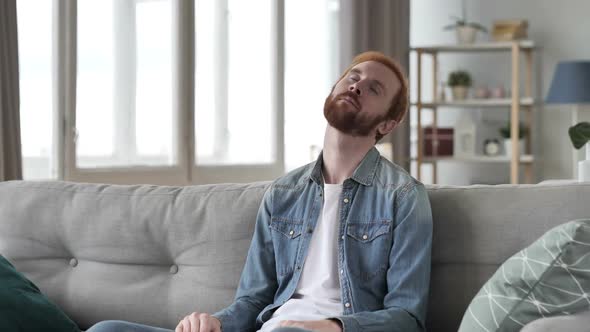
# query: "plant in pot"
(459, 81)
(465, 30)
(580, 135)
(505, 133)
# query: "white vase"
(508, 147)
(584, 167)
(459, 92)
(465, 34)
(464, 136)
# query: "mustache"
(353, 96)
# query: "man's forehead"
(379, 71)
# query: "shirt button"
(309, 230)
(341, 271)
(73, 262)
(291, 232)
(342, 237)
(346, 200)
(347, 305)
(365, 237)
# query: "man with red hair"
(343, 243)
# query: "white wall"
(561, 29)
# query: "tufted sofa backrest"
(143, 253)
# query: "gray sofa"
(152, 254)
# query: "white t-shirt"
(317, 295)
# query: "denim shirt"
(384, 248)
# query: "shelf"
(491, 102)
(517, 104)
(527, 158)
(477, 47)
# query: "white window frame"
(185, 171)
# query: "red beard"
(347, 118)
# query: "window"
(311, 69)
(173, 91)
(124, 84)
(38, 137)
(233, 94)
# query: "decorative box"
(440, 144)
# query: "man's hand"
(325, 325)
(199, 322)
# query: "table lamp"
(571, 85)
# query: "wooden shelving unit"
(518, 103)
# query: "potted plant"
(505, 133)
(580, 135)
(465, 30)
(459, 81)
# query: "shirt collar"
(363, 174)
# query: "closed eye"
(374, 90)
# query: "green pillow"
(23, 307)
(550, 277)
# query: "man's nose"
(354, 88)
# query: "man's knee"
(108, 326)
(112, 326)
(290, 329)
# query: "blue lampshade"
(570, 84)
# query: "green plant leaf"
(580, 134)
(506, 133)
(459, 78)
(477, 26)
(458, 23)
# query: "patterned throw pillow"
(551, 277)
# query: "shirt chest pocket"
(289, 228)
(368, 245)
(286, 235)
(368, 231)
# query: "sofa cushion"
(548, 278)
(24, 308)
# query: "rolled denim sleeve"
(258, 282)
(408, 276)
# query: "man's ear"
(386, 126)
